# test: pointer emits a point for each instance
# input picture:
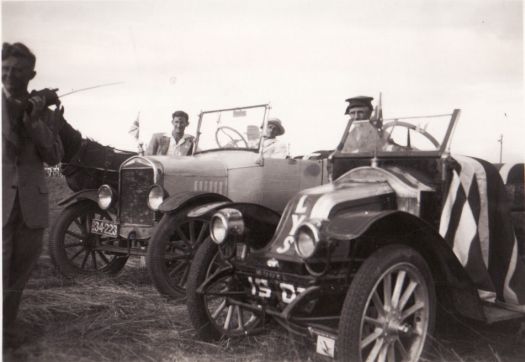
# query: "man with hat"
(365, 133)
(359, 108)
(29, 138)
(273, 148)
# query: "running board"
(494, 313)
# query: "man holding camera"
(29, 138)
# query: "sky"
(304, 57)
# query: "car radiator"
(135, 184)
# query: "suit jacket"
(24, 150)
(160, 144)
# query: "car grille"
(134, 188)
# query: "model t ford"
(358, 265)
(146, 211)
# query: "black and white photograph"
(246, 180)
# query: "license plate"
(267, 288)
(104, 227)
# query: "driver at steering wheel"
(272, 147)
(365, 134)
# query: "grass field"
(124, 319)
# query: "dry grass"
(101, 319)
(124, 318)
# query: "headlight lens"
(155, 197)
(105, 197)
(219, 229)
(225, 222)
(306, 240)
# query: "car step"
(496, 313)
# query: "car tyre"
(389, 309)
(73, 248)
(214, 317)
(178, 236)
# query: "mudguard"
(260, 221)
(374, 229)
(392, 226)
(351, 225)
(183, 199)
(89, 194)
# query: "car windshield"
(233, 128)
(408, 134)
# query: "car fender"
(89, 194)
(260, 221)
(185, 199)
(250, 211)
(372, 230)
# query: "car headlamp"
(224, 223)
(105, 197)
(155, 197)
(306, 240)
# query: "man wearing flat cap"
(29, 138)
(272, 147)
(359, 108)
(365, 132)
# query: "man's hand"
(42, 99)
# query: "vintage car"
(146, 214)
(358, 265)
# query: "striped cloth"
(476, 223)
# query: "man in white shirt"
(273, 148)
(176, 144)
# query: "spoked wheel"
(171, 249)
(75, 250)
(211, 295)
(389, 309)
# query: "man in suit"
(272, 147)
(176, 144)
(29, 138)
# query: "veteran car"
(147, 214)
(358, 265)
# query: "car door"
(283, 178)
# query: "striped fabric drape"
(476, 223)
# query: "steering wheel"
(414, 128)
(234, 142)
